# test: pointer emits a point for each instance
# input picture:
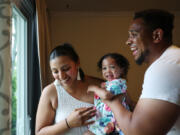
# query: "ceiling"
(110, 5)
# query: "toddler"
(114, 68)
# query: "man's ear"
(157, 35)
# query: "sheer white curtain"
(5, 67)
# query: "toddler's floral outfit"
(104, 120)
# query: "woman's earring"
(78, 75)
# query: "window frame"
(28, 9)
(22, 119)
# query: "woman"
(65, 107)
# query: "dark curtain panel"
(34, 87)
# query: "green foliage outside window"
(13, 105)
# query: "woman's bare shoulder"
(49, 93)
(49, 90)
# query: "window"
(20, 119)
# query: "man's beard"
(141, 58)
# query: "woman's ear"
(157, 35)
(78, 63)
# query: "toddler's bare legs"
(88, 133)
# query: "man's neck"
(157, 52)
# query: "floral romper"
(104, 120)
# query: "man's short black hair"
(157, 18)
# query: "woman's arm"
(46, 114)
(94, 86)
(101, 92)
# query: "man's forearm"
(122, 115)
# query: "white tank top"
(67, 104)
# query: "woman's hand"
(79, 117)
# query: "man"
(157, 111)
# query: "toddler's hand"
(103, 85)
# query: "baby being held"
(114, 68)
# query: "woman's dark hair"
(120, 60)
(66, 49)
(157, 18)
